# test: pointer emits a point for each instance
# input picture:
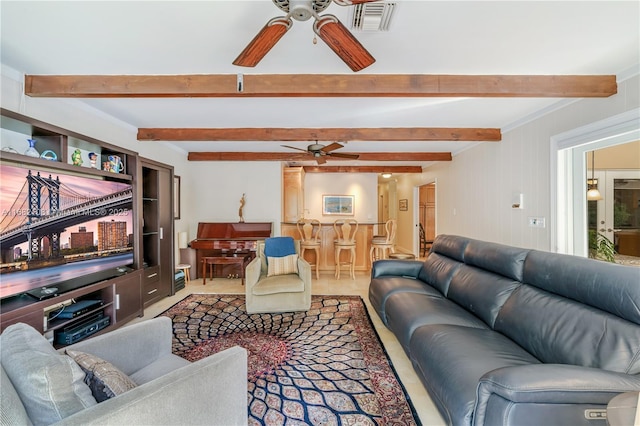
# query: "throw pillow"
(279, 247)
(104, 379)
(49, 384)
(282, 265)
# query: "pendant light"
(592, 193)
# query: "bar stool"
(309, 230)
(381, 244)
(345, 230)
(184, 267)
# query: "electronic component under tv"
(79, 330)
(61, 230)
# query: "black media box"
(84, 328)
(79, 308)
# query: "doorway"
(569, 177)
(426, 217)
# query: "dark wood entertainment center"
(151, 275)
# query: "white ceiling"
(425, 37)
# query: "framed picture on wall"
(338, 205)
(403, 205)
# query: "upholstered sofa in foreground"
(508, 336)
(41, 386)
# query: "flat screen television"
(59, 230)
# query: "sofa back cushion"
(50, 385)
(559, 330)
(481, 292)
(605, 286)
(263, 254)
(446, 255)
(503, 260)
(450, 245)
(573, 310)
(438, 270)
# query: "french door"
(618, 213)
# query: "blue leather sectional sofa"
(502, 335)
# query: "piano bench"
(241, 260)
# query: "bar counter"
(327, 236)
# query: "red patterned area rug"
(325, 366)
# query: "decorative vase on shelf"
(32, 151)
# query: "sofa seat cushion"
(158, 368)
(451, 360)
(381, 288)
(291, 283)
(49, 384)
(408, 311)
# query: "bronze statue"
(242, 201)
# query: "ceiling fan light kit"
(327, 27)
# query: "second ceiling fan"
(327, 27)
(319, 152)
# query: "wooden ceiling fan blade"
(352, 2)
(343, 43)
(343, 155)
(262, 43)
(321, 160)
(293, 147)
(331, 147)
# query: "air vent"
(374, 16)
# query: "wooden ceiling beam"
(320, 134)
(285, 156)
(362, 169)
(320, 85)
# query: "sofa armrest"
(551, 384)
(252, 272)
(403, 268)
(304, 272)
(211, 389)
(131, 347)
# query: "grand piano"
(226, 239)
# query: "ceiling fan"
(327, 27)
(319, 152)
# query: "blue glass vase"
(32, 151)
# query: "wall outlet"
(536, 222)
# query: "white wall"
(362, 185)
(475, 190)
(216, 189)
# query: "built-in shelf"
(121, 295)
(60, 323)
(57, 165)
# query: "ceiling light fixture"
(592, 192)
(386, 175)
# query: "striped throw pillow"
(282, 265)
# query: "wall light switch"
(536, 222)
